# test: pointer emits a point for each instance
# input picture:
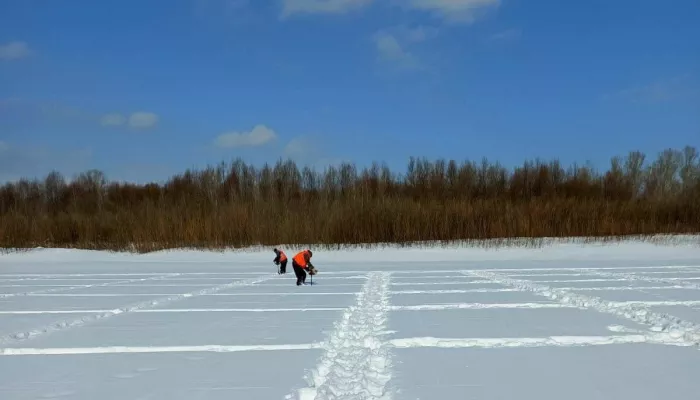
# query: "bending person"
(300, 263)
(280, 260)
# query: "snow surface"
(567, 321)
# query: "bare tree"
(634, 171)
(663, 175)
(690, 168)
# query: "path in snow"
(356, 363)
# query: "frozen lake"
(569, 321)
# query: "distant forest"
(235, 205)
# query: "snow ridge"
(634, 277)
(154, 349)
(357, 362)
(453, 291)
(682, 330)
(620, 288)
(64, 288)
(403, 343)
(480, 282)
(551, 341)
(479, 306)
(63, 325)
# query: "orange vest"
(300, 258)
(283, 257)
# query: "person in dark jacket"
(281, 261)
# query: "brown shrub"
(240, 205)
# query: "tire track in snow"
(682, 330)
(357, 362)
(67, 324)
(66, 288)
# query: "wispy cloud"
(305, 147)
(65, 113)
(309, 151)
(453, 11)
(112, 120)
(54, 111)
(397, 45)
(660, 91)
(506, 36)
(143, 119)
(14, 50)
(137, 120)
(296, 147)
(260, 135)
(290, 7)
(390, 49)
(36, 162)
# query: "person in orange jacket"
(300, 263)
(280, 260)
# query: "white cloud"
(298, 147)
(260, 135)
(322, 6)
(456, 11)
(14, 51)
(112, 120)
(394, 45)
(143, 120)
(389, 49)
(414, 35)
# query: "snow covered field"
(569, 321)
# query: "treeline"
(239, 205)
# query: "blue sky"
(146, 89)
